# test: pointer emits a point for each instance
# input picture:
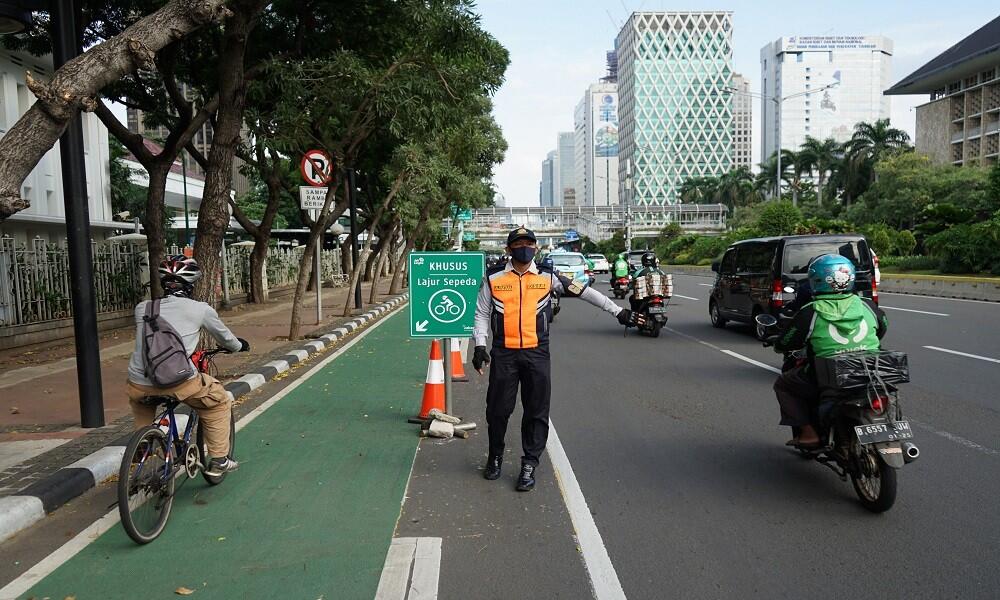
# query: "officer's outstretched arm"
(564, 286)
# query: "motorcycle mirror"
(766, 320)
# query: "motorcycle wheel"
(874, 481)
(655, 331)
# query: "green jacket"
(834, 324)
(621, 267)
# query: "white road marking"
(957, 439)
(923, 312)
(880, 292)
(401, 582)
(53, 561)
(685, 297)
(707, 284)
(752, 361)
(603, 577)
(965, 354)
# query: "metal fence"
(35, 285)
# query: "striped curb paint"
(30, 505)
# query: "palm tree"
(699, 190)
(823, 156)
(765, 182)
(875, 141)
(800, 163)
(736, 188)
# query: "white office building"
(742, 123)
(861, 66)
(566, 158)
(596, 146)
(43, 188)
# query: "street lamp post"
(15, 16)
(777, 103)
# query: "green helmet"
(831, 274)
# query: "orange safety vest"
(521, 306)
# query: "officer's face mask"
(523, 254)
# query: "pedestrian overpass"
(491, 225)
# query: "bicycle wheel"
(200, 440)
(145, 487)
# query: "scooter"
(619, 286)
(654, 308)
(859, 419)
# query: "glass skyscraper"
(674, 69)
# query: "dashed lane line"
(685, 297)
(923, 312)
(965, 354)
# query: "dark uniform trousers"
(530, 368)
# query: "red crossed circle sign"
(317, 168)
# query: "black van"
(753, 274)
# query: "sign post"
(443, 291)
(317, 171)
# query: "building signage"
(443, 291)
(831, 42)
(605, 124)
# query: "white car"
(601, 264)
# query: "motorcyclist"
(650, 265)
(835, 322)
(619, 269)
(188, 317)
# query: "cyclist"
(188, 317)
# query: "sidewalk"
(39, 405)
(312, 509)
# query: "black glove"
(245, 345)
(480, 357)
(627, 317)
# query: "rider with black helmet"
(650, 264)
(188, 317)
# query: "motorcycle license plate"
(883, 432)
(653, 310)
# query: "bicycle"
(154, 458)
(449, 306)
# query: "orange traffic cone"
(457, 368)
(434, 385)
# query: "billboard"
(606, 124)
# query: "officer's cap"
(521, 233)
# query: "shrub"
(778, 218)
(905, 242)
(911, 263)
(965, 248)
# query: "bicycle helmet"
(178, 274)
(649, 259)
(831, 274)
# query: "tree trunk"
(376, 254)
(258, 264)
(213, 215)
(397, 275)
(381, 260)
(300, 287)
(155, 235)
(75, 85)
(345, 256)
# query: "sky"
(557, 49)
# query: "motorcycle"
(555, 305)
(619, 286)
(859, 419)
(654, 308)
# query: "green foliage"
(968, 248)
(905, 242)
(125, 195)
(910, 263)
(613, 246)
(778, 218)
(816, 225)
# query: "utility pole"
(352, 197)
(184, 177)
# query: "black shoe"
(492, 470)
(526, 480)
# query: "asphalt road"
(677, 449)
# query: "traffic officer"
(513, 303)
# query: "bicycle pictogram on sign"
(446, 306)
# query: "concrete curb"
(33, 503)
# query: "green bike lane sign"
(443, 290)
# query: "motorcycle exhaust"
(910, 452)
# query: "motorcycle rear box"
(858, 369)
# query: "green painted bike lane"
(311, 511)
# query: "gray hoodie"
(187, 317)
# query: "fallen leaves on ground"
(183, 591)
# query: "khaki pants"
(205, 394)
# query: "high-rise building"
(674, 69)
(567, 169)
(742, 122)
(803, 67)
(597, 137)
(961, 123)
(580, 149)
(612, 61)
(547, 191)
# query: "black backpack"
(167, 362)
